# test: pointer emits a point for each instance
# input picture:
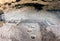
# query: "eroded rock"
(29, 24)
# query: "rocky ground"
(29, 24)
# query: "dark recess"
(17, 0)
(36, 5)
(32, 37)
(1, 12)
(9, 3)
(34, 0)
(47, 0)
(18, 6)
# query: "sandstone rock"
(6, 1)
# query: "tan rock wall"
(4, 1)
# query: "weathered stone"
(29, 24)
(48, 4)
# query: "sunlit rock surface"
(28, 24)
(6, 1)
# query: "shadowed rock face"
(17, 0)
(28, 24)
(48, 4)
